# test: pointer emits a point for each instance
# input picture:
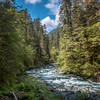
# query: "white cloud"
(50, 23)
(32, 1)
(53, 6)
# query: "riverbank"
(30, 88)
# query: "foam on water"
(51, 76)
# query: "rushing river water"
(51, 76)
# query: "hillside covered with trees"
(23, 42)
(78, 51)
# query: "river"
(62, 83)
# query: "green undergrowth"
(33, 89)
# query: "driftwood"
(15, 97)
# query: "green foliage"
(83, 96)
(11, 49)
(23, 43)
(54, 37)
(79, 45)
(79, 54)
(35, 89)
(29, 57)
(53, 53)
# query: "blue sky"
(47, 10)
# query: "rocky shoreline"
(66, 94)
(71, 95)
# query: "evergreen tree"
(78, 52)
(54, 37)
(11, 45)
(23, 43)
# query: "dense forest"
(78, 48)
(25, 44)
